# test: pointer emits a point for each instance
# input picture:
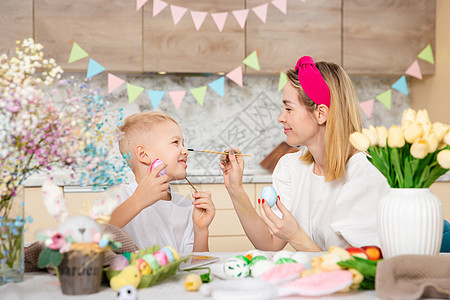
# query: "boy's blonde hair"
(138, 125)
(343, 117)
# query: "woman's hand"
(232, 167)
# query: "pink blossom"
(58, 241)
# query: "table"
(43, 286)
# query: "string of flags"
(133, 91)
(219, 18)
(400, 85)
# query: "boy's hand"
(232, 167)
(204, 210)
(152, 188)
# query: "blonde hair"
(343, 117)
(138, 124)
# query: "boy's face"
(167, 144)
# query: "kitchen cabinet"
(110, 31)
(384, 36)
(181, 48)
(16, 23)
(309, 28)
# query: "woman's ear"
(142, 155)
(322, 114)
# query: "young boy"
(150, 211)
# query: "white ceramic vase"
(410, 222)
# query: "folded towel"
(414, 277)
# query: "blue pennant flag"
(94, 68)
(155, 97)
(401, 86)
(218, 86)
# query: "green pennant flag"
(199, 94)
(252, 61)
(133, 92)
(427, 54)
(282, 81)
(385, 98)
(77, 53)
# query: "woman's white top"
(338, 213)
(165, 223)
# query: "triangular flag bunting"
(198, 17)
(282, 81)
(261, 12)
(218, 86)
(113, 82)
(385, 98)
(252, 61)
(177, 13)
(140, 3)
(427, 54)
(367, 107)
(133, 92)
(155, 97)
(236, 76)
(281, 5)
(241, 16)
(177, 97)
(77, 53)
(414, 70)
(400, 85)
(94, 68)
(158, 6)
(219, 19)
(199, 94)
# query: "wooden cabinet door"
(385, 36)
(16, 23)
(310, 28)
(109, 30)
(182, 49)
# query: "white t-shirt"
(165, 223)
(338, 213)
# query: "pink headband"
(312, 81)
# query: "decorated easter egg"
(236, 267)
(169, 254)
(269, 195)
(282, 254)
(174, 252)
(142, 266)
(303, 258)
(119, 263)
(256, 259)
(285, 260)
(260, 267)
(255, 252)
(161, 258)
(156, 163)
(151, 260)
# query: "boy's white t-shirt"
(165, 223)
(338, 213)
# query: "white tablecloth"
(43, 286)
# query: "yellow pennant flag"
(252, 61)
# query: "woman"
(328, 192)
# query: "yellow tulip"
(360, 141)
(412, 133)
(432, 141)
(395, 137)
(371, 134)
(419, 149)
(443, 159)
(446, 138)
(427, 128)
(382, 134)
(440, 130)
(409, 115)
(422, 116)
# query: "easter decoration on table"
(127, 292)
(156, 163)
(269, 195)
(152, 264)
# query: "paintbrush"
(217, 152)
(191, 185)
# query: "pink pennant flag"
(414, 70)
(113, 82)
(219, 19)
(281, 5)
(367, 107)
(261, 12)
(236, 76)
(177, 13)
(158, 6)
(140, 3)
(198, 17)
(241, 16)
(177, 97)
